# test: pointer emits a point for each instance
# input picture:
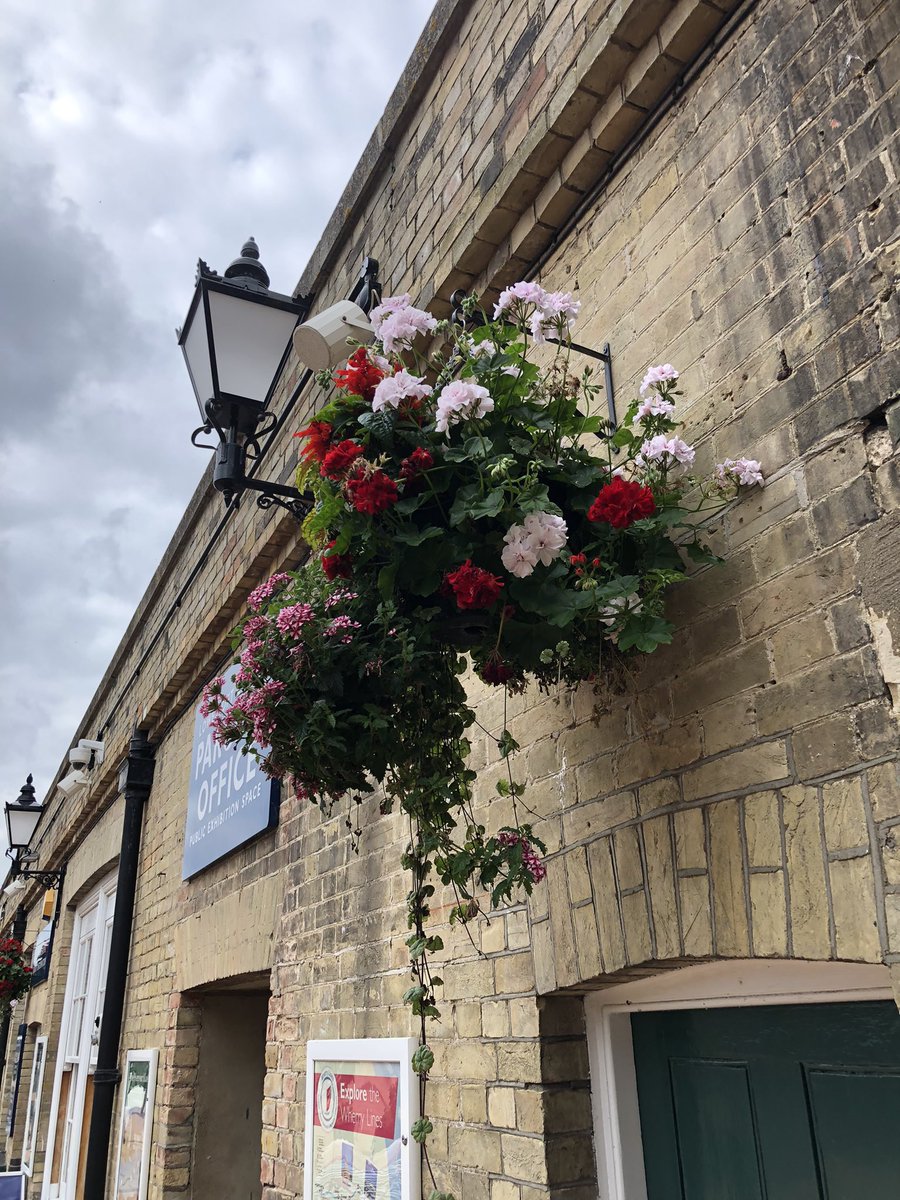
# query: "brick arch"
(781, 873)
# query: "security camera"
(86, 753)
(321, 342)
(73, 783)
(14, 887)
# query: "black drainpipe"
(135, 781)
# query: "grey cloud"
(138, 138)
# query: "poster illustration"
(359, 1113)
(138, 1088)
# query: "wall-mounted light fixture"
(22, 816)
(236, 340)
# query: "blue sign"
(230, 800)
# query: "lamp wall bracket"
(471, 317)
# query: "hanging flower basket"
(15, 976)
(471, 502)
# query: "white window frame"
(33, 1110)
(739, 983)
(99, 905)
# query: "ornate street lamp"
(22, 816)
(236, 341)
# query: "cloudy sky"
(136, 138)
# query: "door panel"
(713, 1106)
(854, 1118)
(782, 1102)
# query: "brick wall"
(734, 797)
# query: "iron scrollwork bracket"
(47, 879)
(460, 316)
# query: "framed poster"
(136, 1125)
(230, 800)
(362, 1098)
(33, 1112)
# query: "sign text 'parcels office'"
(230, 800)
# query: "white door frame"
(99, 904)
(738, 983)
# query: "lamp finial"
(247, 271)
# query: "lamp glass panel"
(196, 355)
(21, 822)
(250, 339)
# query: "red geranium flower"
(318, 435)
(372, 493)
(360, 377)
(340, 458)
(622, 502)
(474, 587)
(420, 460)
(336, 565)
(494, 670)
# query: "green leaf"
(380, 425)
(415, 537)
(422, 1060)
(506, 744)
(701, 554)
(584, 476)
(489, 506)
(645, 633)
(409, 504)
(386, 578)
(623, 437)
(421, 1129)
(417, 946)
(477, 447)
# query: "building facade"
(717, 183)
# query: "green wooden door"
(789, 1102)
